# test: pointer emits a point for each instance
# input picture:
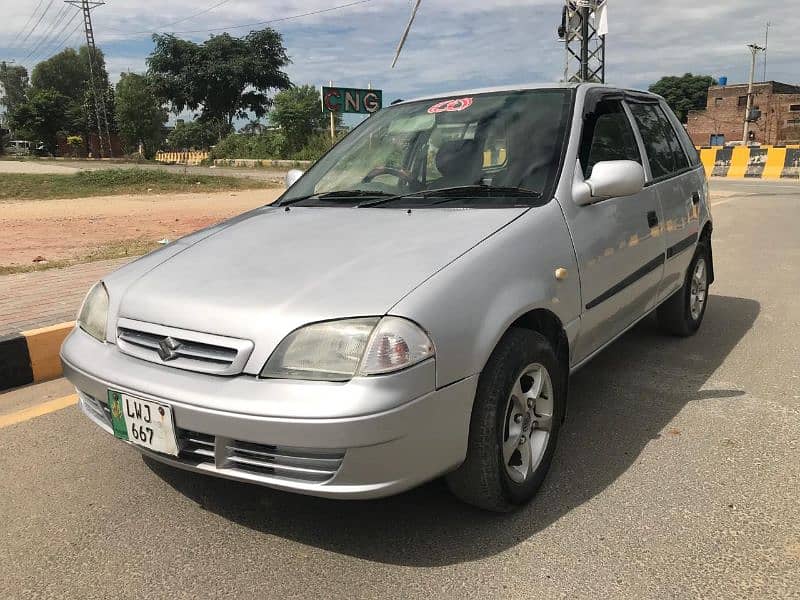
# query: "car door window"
(664, 152)
(607, 135)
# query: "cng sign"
(351, 100)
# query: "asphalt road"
(677, 475)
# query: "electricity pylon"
(585, 47)
(103, 133)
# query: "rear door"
(679, 183)
(619, 256)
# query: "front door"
(618, 244)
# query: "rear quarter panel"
(468, 306)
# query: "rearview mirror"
(611, 179)
(292, 176)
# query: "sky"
(454, 44)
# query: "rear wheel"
(516, 417)
(682, 313)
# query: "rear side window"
(607, 135)
(664, 152)
(683, 136)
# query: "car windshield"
(493, 149)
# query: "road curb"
(32, 356)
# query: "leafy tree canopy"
(139, 114)
(298, 112)
(43, 116)
(223, 78)
(14, 84)
(68, 73)
(198, 134)
(685, 93)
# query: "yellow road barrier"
(751, 162)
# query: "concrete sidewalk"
(42, 298)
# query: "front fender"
(468, 306)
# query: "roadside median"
(32, 356)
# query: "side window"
(664, 151)
(686, 142)
(607, 135)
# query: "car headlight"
(339, 350)
(93, 315)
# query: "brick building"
(722, 121)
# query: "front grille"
(196, 446)
(264, 461)
(301, 464)
(96, 407)
(190, 350)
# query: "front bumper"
(367, 438)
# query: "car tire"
(682, 313)
(521, 372)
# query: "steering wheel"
(401, 174)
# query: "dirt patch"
(58, 230)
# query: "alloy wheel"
(528, 422)
(698, 289)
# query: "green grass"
(119, 249)
(107, 182)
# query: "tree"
(43, 115)
(298, 112)
(193, 135)
(14, 84)
(224, 78)
(68, 74)
(74, 142)
(140, 115)
(685, 93)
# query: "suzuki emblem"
(168, 349)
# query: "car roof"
(524, 86)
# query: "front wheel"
(519, 406)
(682, 313)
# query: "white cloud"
(457, 44)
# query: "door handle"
(695, 198)
(652, 218)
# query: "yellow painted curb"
(44, 345)
(37, 411)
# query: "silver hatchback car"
(413, 305)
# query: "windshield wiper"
(336, 195)
(459, 192)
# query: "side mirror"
(293, 176)
(610, 179)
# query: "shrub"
(269, 145)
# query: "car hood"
(270, 271)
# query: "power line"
(47, 36)
(258, 23)
(28, 22)
(197, 14)
(50, 49)
(37, 22)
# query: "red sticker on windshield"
(451, 105)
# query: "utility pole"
(766, 46)
(333, 121)
(584, 42)
(104, 135)
(754, 50)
